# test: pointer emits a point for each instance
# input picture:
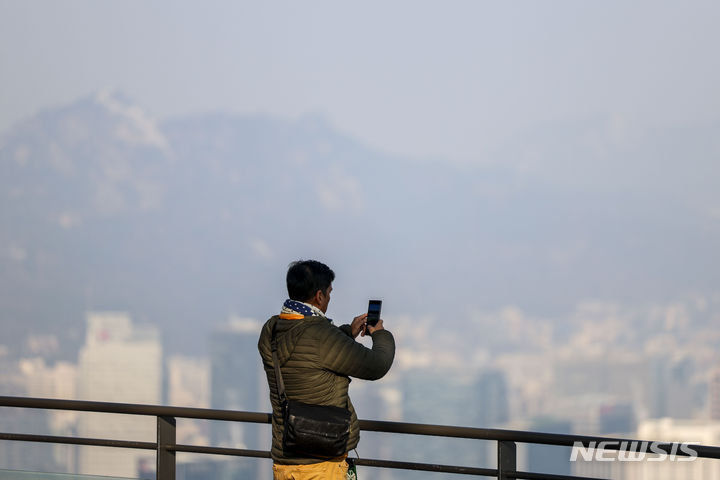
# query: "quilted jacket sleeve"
(343, 355)
(347, 330)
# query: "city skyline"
(597, 399)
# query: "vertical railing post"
(507, 459)
(165, 456)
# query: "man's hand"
(371, 329)
(358, 325)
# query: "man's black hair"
(305, 277)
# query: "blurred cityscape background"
(532, 189)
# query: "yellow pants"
(333, 470)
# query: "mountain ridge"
(188, 220)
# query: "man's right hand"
(378, 326)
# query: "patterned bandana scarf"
(305, 309)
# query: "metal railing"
(166, 446)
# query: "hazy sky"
(453, 80)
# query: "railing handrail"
(134, 409)
(166, 445)
(475, 433)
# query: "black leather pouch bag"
(316, 430)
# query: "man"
(316, 360)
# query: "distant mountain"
(187, 221)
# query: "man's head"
(310, 281)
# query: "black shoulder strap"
(278, 376)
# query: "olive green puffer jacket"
(316, 360)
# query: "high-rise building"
(237, 382)
(714, 394)
(235, 376)
(670, 387)
(437, 397)
(55, 381)
(188, 383)
(27, 456)
(491, 399)
(616, 418)
(120, 362)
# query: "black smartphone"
(373, 316)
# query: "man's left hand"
(358, 324)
